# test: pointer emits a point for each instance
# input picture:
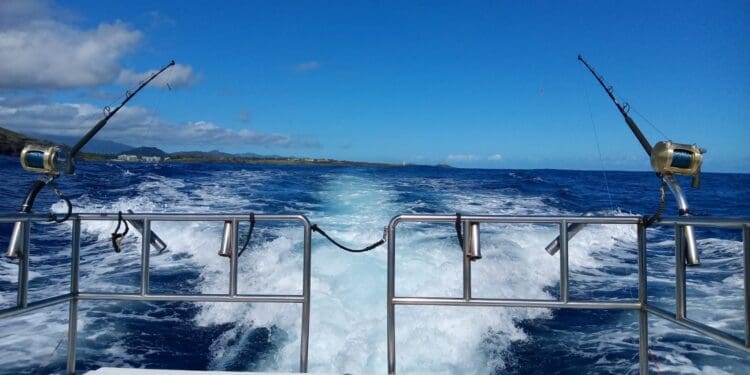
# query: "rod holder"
(689, 247)
(227, 247)
(573, 229)
(473, 250)
(156, 242)
(687, 244)
(16, 244)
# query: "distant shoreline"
(11, 144)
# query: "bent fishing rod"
(52, 161)
(667, 159)
(623, 109)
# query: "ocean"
(348, 313)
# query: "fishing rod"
(667, 159)
(52, 161)
(91, 133)
(623, 109)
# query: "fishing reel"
(676, 158)
(49, 160)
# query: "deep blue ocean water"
(348, 307)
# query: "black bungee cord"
(317, 229)
(249, 234)
(118, 237)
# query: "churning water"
(348, 316)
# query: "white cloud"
(495, 157)
(40, 48)
(176, 76)
(132, 125)
(45, 53)
(157, 20)
(306, 67)
(19, 12)
(462, 158)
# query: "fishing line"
(51, 355)
(649, 122)
(158, 102)
(598, 147)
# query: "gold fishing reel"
(49, 160)
(677, 158)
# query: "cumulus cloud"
(306, 67)
(176, 76)
(19, 12)
(44, 53)
(131, 125)
(495, 157)
(41, 49)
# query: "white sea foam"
(347, 332)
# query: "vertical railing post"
(643, 301)
(23, 266)
(391, 314)
(746, 257)
(233, 260)
(467, 260)
(73, 306)
(145, 256)
(564, 274)
(680, 283)
(306, 273)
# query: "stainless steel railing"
(563, 302)
(24, 306)
(468, 221)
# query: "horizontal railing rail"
(470, 245)
(470, 229)
(680, 314)
(145, 294)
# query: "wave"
(348, 323)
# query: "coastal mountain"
(11, 143)
(98, 146)
(145, 151)
(203, 154)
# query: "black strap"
(249, 234)
(64, 198)
(656, 216)
(117, 237)
(459, 235)
(315, 228)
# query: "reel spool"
(49, 160)
(677, 158)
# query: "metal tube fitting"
(227, 247)
(473, 252)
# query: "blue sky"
(490, 85)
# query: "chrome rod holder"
(227, 245)
(473, 249)
(573, 229)
(16, 244)
(156, 242)
(687, 245)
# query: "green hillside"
(11, 143)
